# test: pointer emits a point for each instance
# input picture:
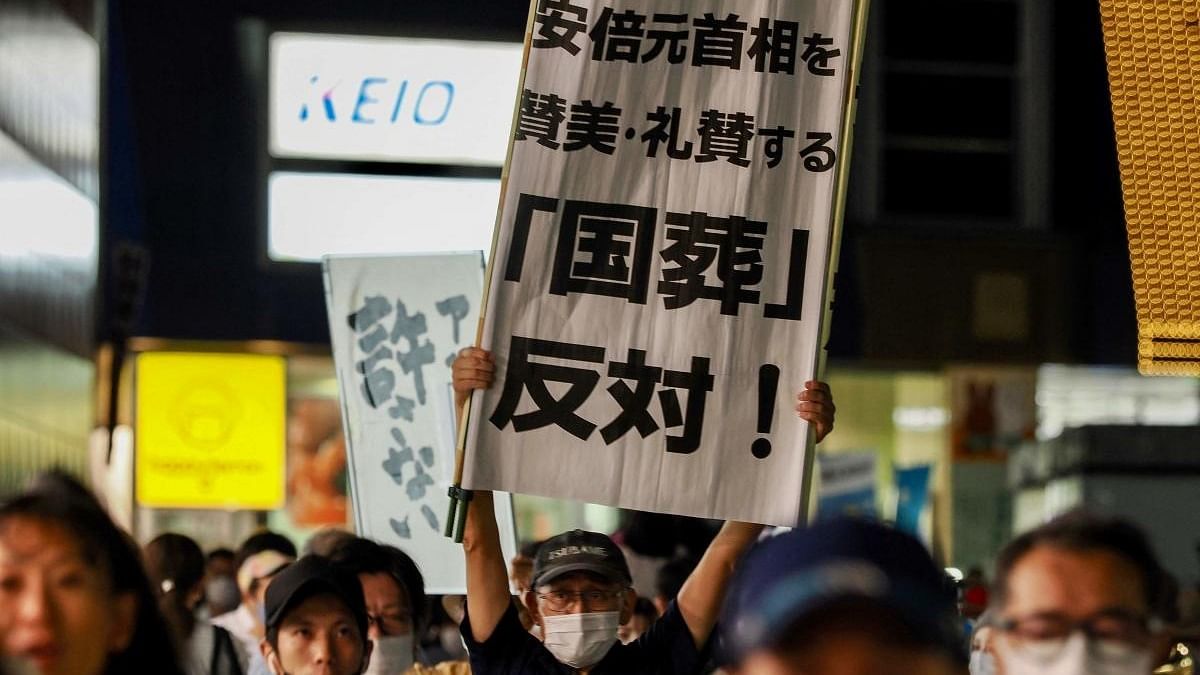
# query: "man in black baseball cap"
(581, 586)
(584, 568)
(316, 620)
(844, 597)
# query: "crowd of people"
(1080, 595)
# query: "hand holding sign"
(816, 407)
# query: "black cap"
(309, 576)
(579, 551)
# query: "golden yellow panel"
(1153, 50)
(210, 430)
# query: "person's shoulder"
(667, 645)
(443, 668)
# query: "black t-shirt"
(666, 648)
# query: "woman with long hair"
(74, 598)
(175, 565)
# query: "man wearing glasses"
(1080, 595)
(397, 607)
(581, 591)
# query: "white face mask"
(580, 640)
(982, 663)
(1079, 656)
(392, 655)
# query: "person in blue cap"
(843, 597)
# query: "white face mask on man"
(1079, 655)
(982, 663)
(580, 640)
(392, 655)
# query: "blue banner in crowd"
(847, 485)
(912, 486)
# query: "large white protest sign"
(396, 323)
(659, 277)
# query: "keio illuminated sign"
(391, 99)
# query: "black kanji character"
(725, 136)
(593, 126)
(818, 156)
(554, 29)
(524, 375)
(375, 308)
(817, 56)
(618, 37)
(540, 116)
(457, 308)
(718, 42)
(411, 328)
(618, 243)
(430, 517)
(666, 130)
(418, 484)
(403, 409)
(797, 265)
(401, 528)
(399, 437)
(413, 361)
(777, 42)
(670, 40)
(734, 243)
(370, 341)
(527, 205)
(378, 383)
(697, 382)
(773, 148)
(635, 403)
(394, 464)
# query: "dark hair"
(661, 535)
(258, 542)
(1082, 531)
(643, 607)
(363, 556)
(325, 541)
(59, 499)
(175, 565)
(670, 577)
(219, 554)
(529, 549)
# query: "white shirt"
(241, 624)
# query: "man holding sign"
(581, 585)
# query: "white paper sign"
(663, 245)
(396, 323)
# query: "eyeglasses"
(560, 601)
(1113, 634)
(391, 624)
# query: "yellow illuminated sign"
(210, 430)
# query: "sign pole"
(456, 519)
(858, 32)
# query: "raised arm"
(487, 577)
(702, 594)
